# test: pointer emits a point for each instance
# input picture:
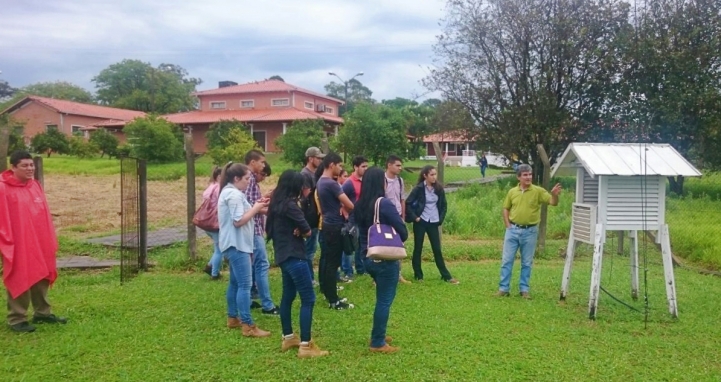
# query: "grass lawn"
(168, 325)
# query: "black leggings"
(331, 250)
(420, 229)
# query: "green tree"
(106, 142)
(276, 77)
(531, 71)
(374, 131)
(155, 139)
(229, 140)
(671, 91)
(136, 85)
(6, 91)
(58, 90)
(419, 121)
(51, 141)
(300, 135)
(81, 148)
(357, 93)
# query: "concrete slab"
(84, 262)
(158, 238)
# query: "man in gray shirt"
(395, 191)
(313, 159)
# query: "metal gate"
(133, 217)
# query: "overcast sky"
(300, 40)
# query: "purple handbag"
(384, 243)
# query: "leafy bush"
(374, 131)
(124, 150)
(106, 142)
(299, 136)
(52, 141)
(16, 141)
(155, 139)
(229, 141)
(81, 148)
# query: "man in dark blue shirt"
(330, 201)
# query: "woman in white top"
(235, 218)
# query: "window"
(309, 105)
(217, 105)
(329, 110)
(280, 102)
(51, 127)
(247, 103)
(75, 129)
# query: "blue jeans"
(525, 240)
(260, 270)
(346, 264)
(483, 171)
(238, 294)
(217, 258)
(296, 280)
(311, 244)
(360, 268)
(385, 274)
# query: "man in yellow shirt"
(521, 214)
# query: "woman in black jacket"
(286, 227)
(426, 208)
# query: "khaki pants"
(18, 307)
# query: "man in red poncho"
(28, 244)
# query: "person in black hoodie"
(286, 227)
(426, 208)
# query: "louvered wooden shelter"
(620, 187)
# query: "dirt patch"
(89, 206)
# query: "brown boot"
(233, 323)
(311, 350)
(289, 343)
(402, 280)
(389, 339)
(254, 331)
(385, 349)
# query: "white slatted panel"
(583, 222)
(633, 202)
(590, 189)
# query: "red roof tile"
(285, 114)
(77, 108)
(263, 87)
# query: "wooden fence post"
(190, 178)
(39, 175)
(143, 213)
(544, 207)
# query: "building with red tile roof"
(268, 108)
(40, 114)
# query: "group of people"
(308, 208)
(305, 208)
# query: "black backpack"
(310, 209)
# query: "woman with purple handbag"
(382, 233)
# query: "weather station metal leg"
(634, 264)
(570, 252)
(599, 240)
(668, 271)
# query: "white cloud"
(222, 39)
